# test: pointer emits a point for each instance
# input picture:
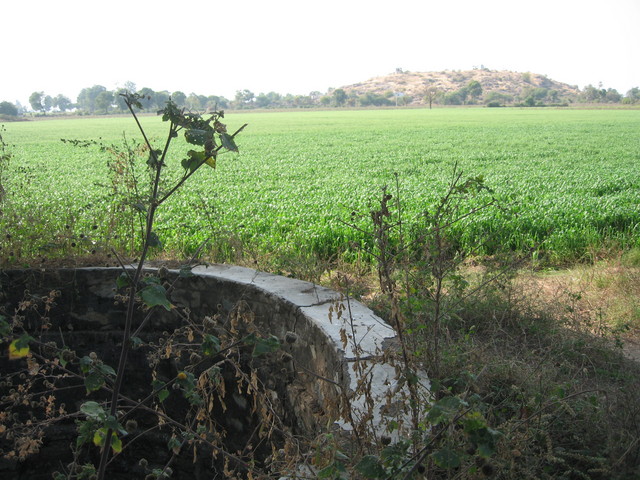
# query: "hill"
(449, 87)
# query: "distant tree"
(430, 95)
(633, 95)
(87, 98)
(454, 98)
(179, 98)
(591, 94)
(148, 100)
(474, 89)
(161, 98)
(104, 101)
(262, 100)
(47, 103)
(8, 108)
(244, 98)
(497, 98)
(193, 103)
(325, 100)
(612, 96)
(35, 100)
(62, 103)
(129, 86)
(339, 97)
(214, 102)
(119, 99)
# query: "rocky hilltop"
(502, 86)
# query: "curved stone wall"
(338, 348)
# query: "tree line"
(98, 100)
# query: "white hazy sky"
(294, 46)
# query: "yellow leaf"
(99, 436)
(15, 352)
(211, 161)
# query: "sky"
(295, 46)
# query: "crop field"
(566, 182)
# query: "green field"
(568, 181)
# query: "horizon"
(288, 47)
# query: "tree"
(8, 108)
(104, 101)
(47, 103)
(87, 98)
(244, 98)
(35, 100)
(474, 89)
(62, 103)
(147, 98)
(161, 98)
(339, 97)
(430, 95)
(633, 95)
(193, 102)
(179, 98)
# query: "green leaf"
(194, 161)
(94, 381)
(370, 467)
(154, 295)
(210, 344)
(446, 458)
(444, 410)
(163, 394)
(174, 445)
(154, 240)
(197, 136)
(228, 142)
(265, 345)
(123, 280)
(85, 364)
(93, 410)
(105, 370)
(185, 271)
(5, 328)
(154, 158)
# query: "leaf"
(93, 410)
(174, 445)
(196, 136)
(85, 364)
(444, 410)
(265, 345)
(370, 467)
(16, 351)
(194, 161)
(154, 240)
(101, 434)
(5, 328)
(185, 272)
(446, 458)
(123, 280)
(94, 381)
(228, 142)
(211, 161)
(154, 295)
(163, 394)
(210, 344)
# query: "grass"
(567, 179)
